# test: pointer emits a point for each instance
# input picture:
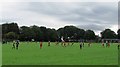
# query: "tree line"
(11, 31)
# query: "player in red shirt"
(108, 44)
(103, 43)
(40, 44)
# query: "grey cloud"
(88, 15)
(84, 11)
(9, 19)
(94, 27)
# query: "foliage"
(42, 33)
(108, 34)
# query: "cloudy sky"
(96, 16)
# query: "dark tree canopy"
(11, 36)
(108, 34)
(89, 35)
(72, 32)
(11, 27)
(118, 32)
(25, 33)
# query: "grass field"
(31, 54)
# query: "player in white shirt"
(63, 42)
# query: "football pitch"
(31, 54)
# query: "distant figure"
(63, 42)
(89, 44)
(102, 43)
(4, 42)
(57, 43)
(17, 44)
(48, 43)
(68, 43)
(72, 43)
(62, 39)
(32, 40)
(118, 47)
(41, 45)
(106, 43)
(81, 45)
(13, 46)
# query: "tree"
(11, 36)
(89, 35)
(26, 33)
(108, 34)
(45, 34)
(52, 35)
(72, 32)
(118, 33)
(80, 34)
(9, 27)
(37, 32)
(60, 32)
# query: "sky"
(94, 15)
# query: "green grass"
(31, 54)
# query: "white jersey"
(62, 39)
